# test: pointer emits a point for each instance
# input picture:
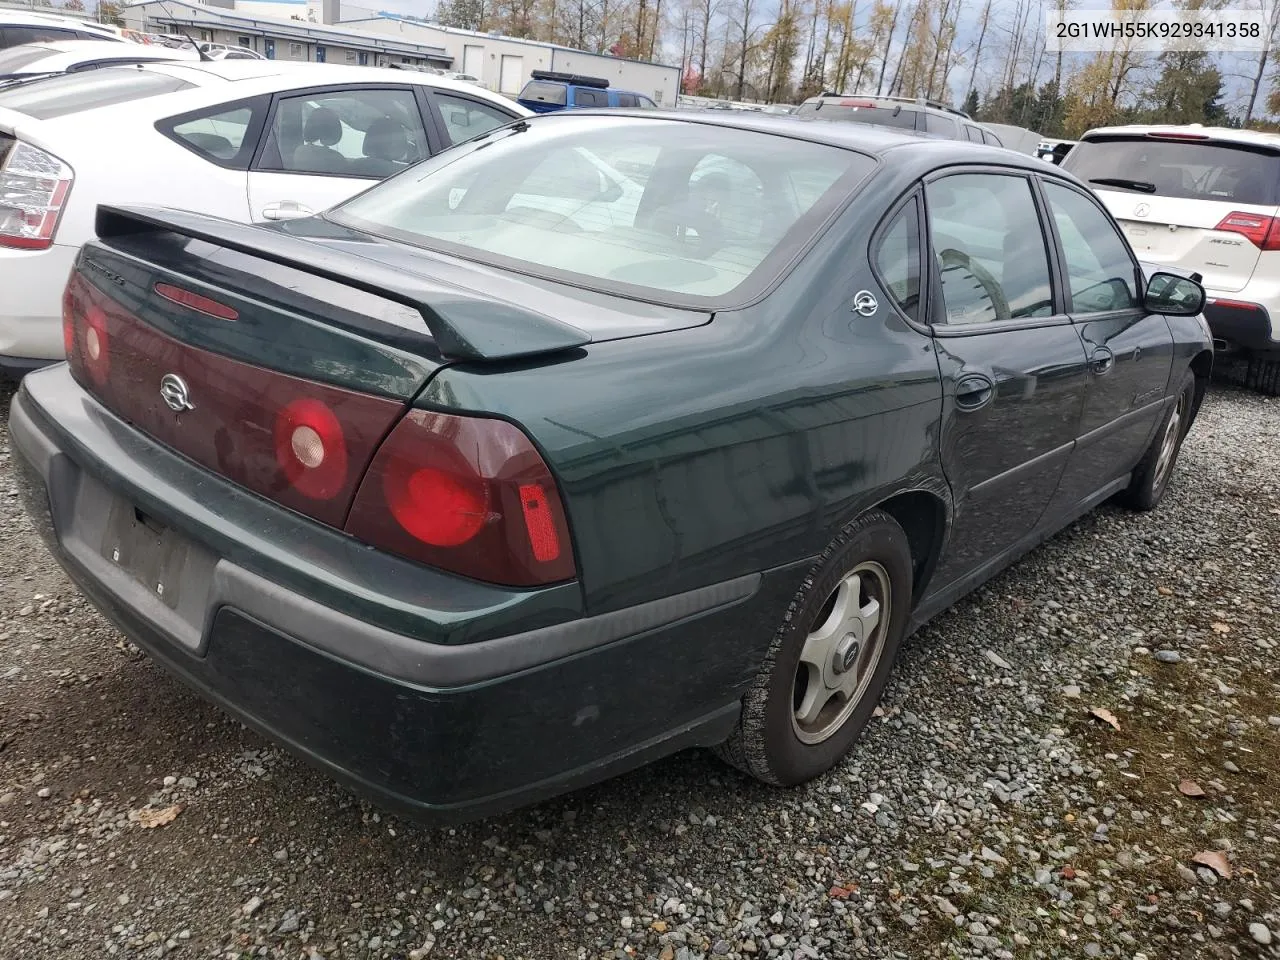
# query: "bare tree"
(1255, 84)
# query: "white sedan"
(249, 140)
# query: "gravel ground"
(988, 812)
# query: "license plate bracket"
(150, 552)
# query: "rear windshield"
(1185, 169)
(544, 92)
(881, 116)
(689, 214)
(75, 92)
(15, 58)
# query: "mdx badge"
(865, 303)
(174, 392)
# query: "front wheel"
(1151, 476)
(830, 659)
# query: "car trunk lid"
(256, 353)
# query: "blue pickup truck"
(547, 92)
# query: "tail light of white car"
(1259, 229)
(33, 191)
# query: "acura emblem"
(174, 392)
(864, 303)
(1142, 209)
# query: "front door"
(327, 145)
(1129, 351)
(1012, 364)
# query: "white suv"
(1206, 199)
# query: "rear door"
(325, 145)
(1013, 368)
(1186, 200)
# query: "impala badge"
(174, 392)
(864, 303)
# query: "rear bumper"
(31, 306)
(445, 731)
(1244, 325)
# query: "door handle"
(974, 391)
(1102, 360)
(286, 210)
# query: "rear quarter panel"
(692, 457)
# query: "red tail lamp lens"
(310, 448)
(95, 344)
(470, 495)
(68, 322)
(442, 508)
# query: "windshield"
(1187, 169)
(75, 92)
(659, 209)
(15, 58)
(544, 92)
(881, 116)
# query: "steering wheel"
(710, 236)
(958, 258)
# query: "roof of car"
(319, 73)
(12, 17)
(89, 49)
(866, 138)
(1224, 134)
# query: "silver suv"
(922, 116)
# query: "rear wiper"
(1141, 185)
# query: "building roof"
(459, 31)
(179, 12)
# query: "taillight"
(1260, 230)
(467, 494)
(310, 448)
(33, 190)
(85, 332)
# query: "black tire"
(767, 740)
(1151, 475)
(1263, 375)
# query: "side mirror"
(1173, 296)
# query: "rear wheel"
(830, 659)
(1263, 374)
(1151, 476)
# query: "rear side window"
(553, 93)
(1188, 169)
(226, 134)
(898, 258)
(76, 92)
(14, 36)
(583, 97)
(990, 139)
(938, 125)
(626, 99)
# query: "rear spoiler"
(464, 324)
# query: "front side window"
(973, 134)
(987, 240)
(1100, 271)
(16, 36)
(350, 133)
(465, 118)
(689, 211)
(898, 259)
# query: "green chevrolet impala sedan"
(596, 438)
